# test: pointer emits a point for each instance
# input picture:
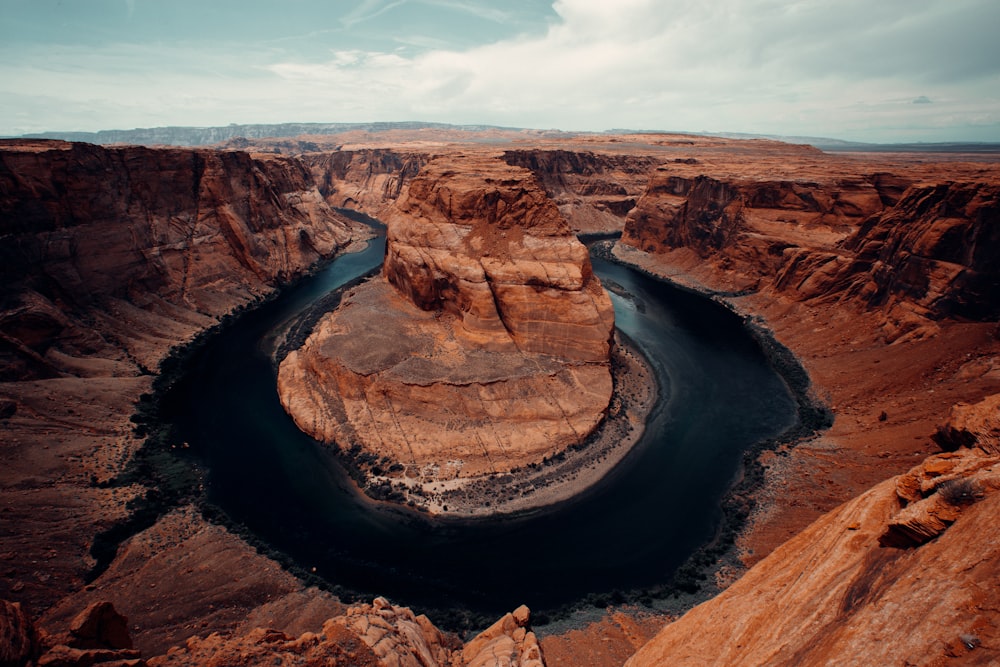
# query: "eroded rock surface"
(840, 593)
(975, 425)
(593, 190)
(378, 634)
(483, 347)
(915, 250)
(111, 253)
(108, 258)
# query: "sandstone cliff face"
(108, 258)
(935, 248)
(904, 574)
(146, 242)
(368, 180)
(867, 291)
(482, 241)
(917, 252)
(490, 349)
(754, 220)
(594, 191)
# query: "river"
(718, 396)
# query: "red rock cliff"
(937, 248)
(914, 251)
(369, 180)
(481, 240)
(108, 258)
(594, 191)
(904, 574)
(133, 244)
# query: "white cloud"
(367, 10)
(848, 68)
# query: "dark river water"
(718, 396)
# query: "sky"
(861, 70)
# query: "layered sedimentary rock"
(916, 250)
(483, 347)
(975, 425)
(825, 252)
(893, 313)
(594, 191)
(904, 574)
(108, 258)
(936, 249)
(751, 222)
(368, 180)
(379, 634)
(132, 244)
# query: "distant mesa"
(482, 347)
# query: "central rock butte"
(482, 347)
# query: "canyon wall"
(915, 250)
(876, 278)
(486, 340)
(482, 241)
(118, 252)
(108, 258)
(594, 191)
(880, 278)
(367, 180)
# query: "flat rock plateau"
(871, 542)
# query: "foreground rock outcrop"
(483, 347)
(379, 634)
(904, 574)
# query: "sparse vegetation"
(960, 491)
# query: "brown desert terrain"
(866, 543)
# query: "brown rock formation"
(836, 594)
(18, 637)
(594, 191)
(916, 252)
(480, 240)
(869, 303)
(749, 225)
(100, 626)
(149, 243)
(934, 250)
(976, 425)
(110, 256)
(490, 353)
(368, 180)
(377, 634)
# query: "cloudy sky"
(867, 70)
